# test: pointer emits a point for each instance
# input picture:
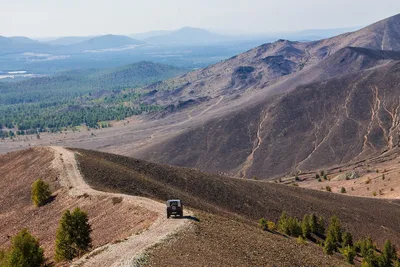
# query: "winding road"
(128, 252)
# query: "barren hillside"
(20, 169)
(239, 199)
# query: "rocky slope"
(309, 105)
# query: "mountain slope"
(11, 45)
(263, 66)
(69, 40)
(103, 42)
(239, 199)
(284, 106)
(309, 127)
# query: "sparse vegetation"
(343, 190)
(40, 192)
(73, 235)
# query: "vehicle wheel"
(168, 215)
(181, 214)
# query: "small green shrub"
(263, 224)
(40, 192)
(343, 190)
(73, 235)
(301, 240)
(271, 226)
(25, 251)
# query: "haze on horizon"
(45, 18)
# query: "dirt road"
(128, 252)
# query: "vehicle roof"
(170, 200)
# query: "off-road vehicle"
(174, 207)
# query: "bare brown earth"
(238, 199)
(110, 222)
(218, 241)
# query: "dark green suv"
(174, 207)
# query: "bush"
(73, 235)
(349, 253)
(25, 251)
(40, 192)
(328, 188)
(317, 176)
(271, 226)
(343, 190)
(301, 240)
(263, 224)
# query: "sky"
(51, 18)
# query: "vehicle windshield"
(174, 203)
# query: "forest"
(78, 97)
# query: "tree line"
(334, 239)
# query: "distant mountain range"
(291, 107)
(186, 36)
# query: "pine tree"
(282, 223)
(40, 192)
(367, 249)
(347, 239)
(335, 229)
(25, 251)
(321, 225)
(388, 255)
(73, 235)
(313, 224)
(329, 245)
(305, 226)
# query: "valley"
(283, 154)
